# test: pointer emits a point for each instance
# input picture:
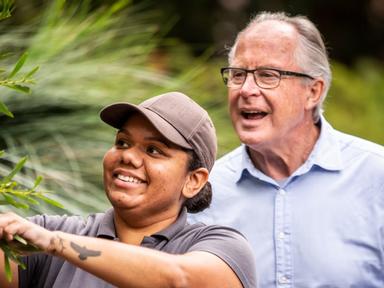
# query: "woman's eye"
(154, 150)
(121, 143)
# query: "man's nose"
(250, 85)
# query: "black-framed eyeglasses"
(266, 78)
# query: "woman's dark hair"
(202, 199)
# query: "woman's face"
(143, 172)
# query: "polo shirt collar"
(326, 154)
(175, 227)
(107, 226)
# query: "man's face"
(264, 118)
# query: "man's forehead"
(261, 45)
(270, 29)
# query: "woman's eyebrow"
(123, 130)
(160, 139)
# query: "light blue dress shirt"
(322, 227)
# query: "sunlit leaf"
(20, 239)
(18, 65)
(19, 88)
(15, 170)
(50, 201)
(4, 110)
(32, 72)
(37, 182)
(15, 203)
(7, 267)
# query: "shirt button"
(283, 280)
(281, 235)
(282, 192)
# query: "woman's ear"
(195, 182)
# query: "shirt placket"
(283, 248)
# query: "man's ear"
(316, 89)
(195, 181)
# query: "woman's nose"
(132, 156)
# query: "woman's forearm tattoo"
(59, 248)
(84, 252)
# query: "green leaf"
(24, 195)
(14, 255)
(18, 65)
(4, 110)
(32, 72)
(7, 268)
(32, 201)
(15, 203)
(19, 88)
(49, 201)
(20, 239)
(37, 182)
(15, 170)
(7, 7)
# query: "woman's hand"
(13, 226)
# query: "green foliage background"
(120, 52)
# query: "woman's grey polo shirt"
(45, 271)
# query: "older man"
(309, 198)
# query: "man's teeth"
(128, 179)
(253, 114)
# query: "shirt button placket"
(281, 241)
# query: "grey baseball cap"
(177, 117)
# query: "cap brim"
(117, 114)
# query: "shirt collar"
(325, 154)
(175, 227)
(107, 226)
(241, 165)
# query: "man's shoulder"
(359, 146)
(235, 153)
(363, 155)
(231, 159)
(228, 167)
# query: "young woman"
(155, 173)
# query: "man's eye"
(267, 74)
(238, 74)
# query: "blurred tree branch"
(12, 192)
(6, 8)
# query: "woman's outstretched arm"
(122, 264)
